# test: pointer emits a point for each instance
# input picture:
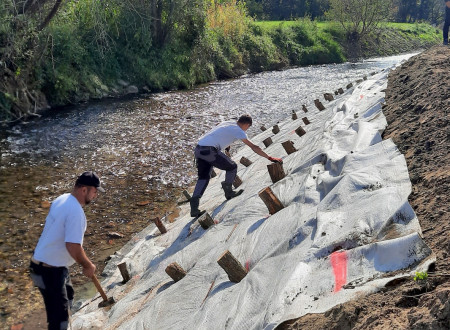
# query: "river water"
(142, 149)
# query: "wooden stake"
(306, 121)
(300, 131)
(175, 271)
(289, 147)
(272, 202)
(294, 115)
(276, 172)
(328, 96)
(124, 271)
(304, 108)
(263, 128)
(160, 225)
(205, 221)
(267, 142)
(244, 161)
(237, 182)
(236, 272)
(275, 129)
(319, 105)
(186, 194)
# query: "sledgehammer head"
(106, 303)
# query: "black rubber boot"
(195, 212)
(229, 192)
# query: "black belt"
(40, 263)
(207, 147)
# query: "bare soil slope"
(417, 110)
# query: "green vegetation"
(58, 53)
(420, 276)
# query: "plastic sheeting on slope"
(345, 229)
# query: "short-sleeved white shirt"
(223, 135)
(66, 222)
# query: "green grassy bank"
(76, 67)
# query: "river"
(142, 149)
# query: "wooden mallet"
(106, 301)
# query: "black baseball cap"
(91, 179)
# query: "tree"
(359, 17)
(22, 22)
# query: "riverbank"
(417, 111)
(247, 47)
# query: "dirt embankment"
(417, 110)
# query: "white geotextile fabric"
(345, 227)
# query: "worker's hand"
(89, 270)
(275, 160)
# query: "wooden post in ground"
(294, 115)
(289, 147)
(306, 121)
(175, 271)
(205, 221)
(319, 105)
(276, 172)
(267, 142)
(304, 108)
(263, 128)
(160, 225)
(272, 202)
(186, 194)
(246, 162)
(275, 129)
(237, 182)
(300, 131)
(236, 272)
(328, 96)
(124, 271)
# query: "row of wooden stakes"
(234, 269)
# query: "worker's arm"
(76, 251)
(259, 151)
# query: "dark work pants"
(207, 158)
(446, 26)
(56, 289)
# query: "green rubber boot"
(195, 212)
(229, 192)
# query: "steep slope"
(417, 110)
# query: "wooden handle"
(99, 288)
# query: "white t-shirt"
(223, 135)
(66, 222)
